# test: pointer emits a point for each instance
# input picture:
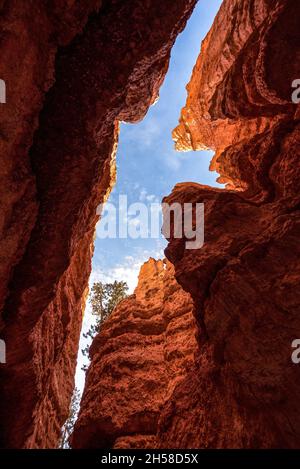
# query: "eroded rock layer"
(72, 71)
(245, 280)
(142, 353)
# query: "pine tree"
(104, 298)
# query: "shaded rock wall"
(70, 78)
(245, 279)
(144, 350)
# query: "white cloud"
(145, 133)
(127, 272)
(146, 197)
(151, 198)
(172, 161)
(143, 195)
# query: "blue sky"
(148, 167)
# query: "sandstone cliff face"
(245, 279)
(70, 78)
(144, 349)
(241, 85)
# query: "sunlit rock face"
(72, 71)
(142, 353)
(245, 279)
(241, 85)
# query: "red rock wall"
(245, 279)
(142, 353)
(70, 78)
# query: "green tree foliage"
(68, 427)
(104, 298)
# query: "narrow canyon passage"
(148, 167)
(160, 379)
(200, 355)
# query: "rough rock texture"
(245, 279)
(144, 350)
(241, 84)
(70, 78)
